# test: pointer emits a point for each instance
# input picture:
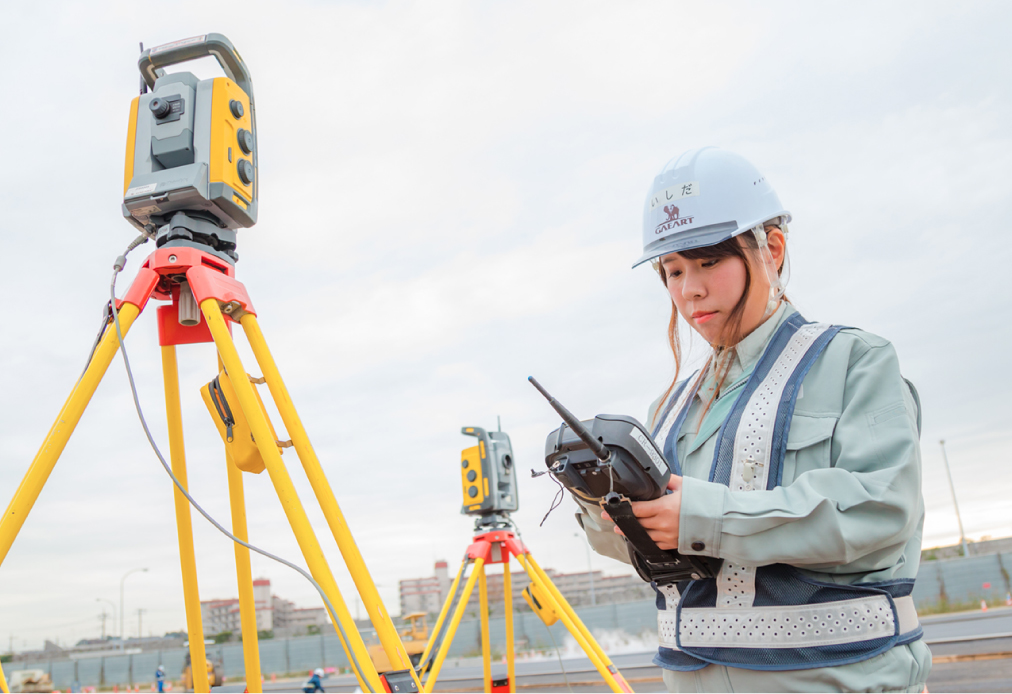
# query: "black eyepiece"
(160, 107)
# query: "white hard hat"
(318, 671)
(703, 197)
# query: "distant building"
(274, 614)
(581, 588)
(425, 594)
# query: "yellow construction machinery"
(414, 638)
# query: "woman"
(794, 456)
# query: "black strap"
(650, 561)
(221, 404)
(620, 510)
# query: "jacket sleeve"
(601, 533)
(862, 508)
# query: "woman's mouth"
(701, 317)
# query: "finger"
(662, 539)
(675, 483)
(654, 523)
(645, 509)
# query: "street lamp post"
(122, 635)
(952, 488)
(590, 571)
(111, 604)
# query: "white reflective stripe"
(666, 628)
(669, 421)
(906, 614)
(671, 595)
(801, 626)
(750, 470)
(735, 585)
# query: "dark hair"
(741, 247)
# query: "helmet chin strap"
(777, 284)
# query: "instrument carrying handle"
(482, 436)
(216, 45)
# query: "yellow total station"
(191, 146)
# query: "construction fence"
(941, 584)
(302, 654)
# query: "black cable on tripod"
(117, 268)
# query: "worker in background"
(794, 456)
(314, 684)
(160, 678)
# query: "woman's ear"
(777, 243)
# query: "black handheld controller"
(610, 461)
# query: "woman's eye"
(674, 273)
(711, 262)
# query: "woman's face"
(705, 291)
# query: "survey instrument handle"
(599, 449)
(216, 45)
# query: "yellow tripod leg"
(430, 681)
(507, 590)
(3, 682)
(442, 614)
(486, 647)
(45, 460)
(381, 621)
(244, 577)
(59, 418)
(583, 637)
(296, 514)
(184, 523)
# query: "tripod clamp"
(652, 563)
(489, 522)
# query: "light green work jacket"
(849, 509)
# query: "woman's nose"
(693, 286)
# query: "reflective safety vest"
(771, 617)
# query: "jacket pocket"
(809, 446)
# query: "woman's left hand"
(659, 517)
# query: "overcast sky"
(450, 201)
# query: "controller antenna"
(599, 449)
